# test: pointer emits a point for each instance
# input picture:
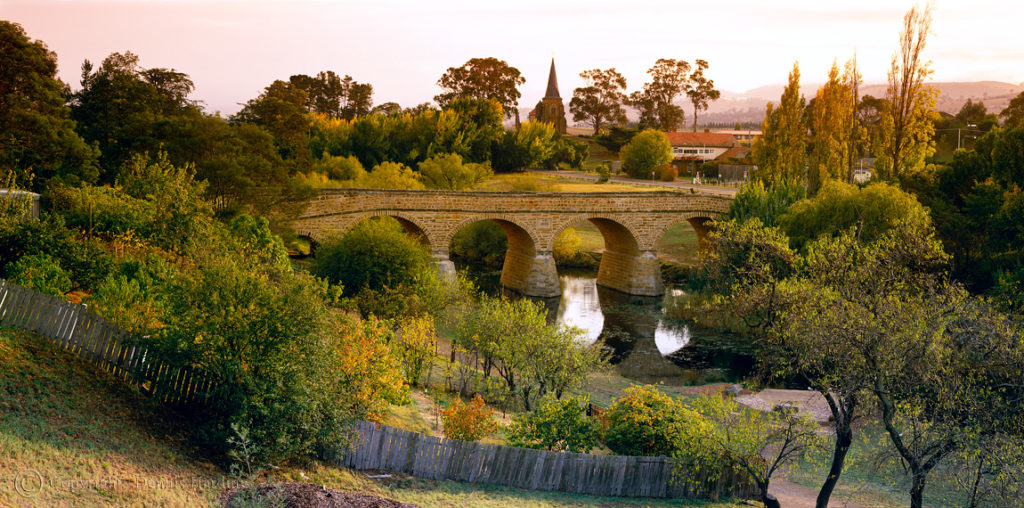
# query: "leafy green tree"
(281, 110)
(766, 203)
(700, 90)
(483, 78)
(839, 206)
(1013, 114)
(569, 152)
(84, 259)
(907, 134)
(387, 108)
(340, 168)
(120, 104)
(601, 100)
(373, 254)
(656, 102)
(529, 146)
(558, 425)
(328, 94)
(647, 150)
(781, 151)
(41, 273)
(447, 171)
(760, 443)
(37, 137)
(616, 137)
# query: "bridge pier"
(531, 275)
(634, 274)
(445, 267)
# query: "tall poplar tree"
(781, 151)
(907, 129)
(830, 122)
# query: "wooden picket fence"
(97, 340)
(387, 448)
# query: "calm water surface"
(644, 344)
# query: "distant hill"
(749, 106)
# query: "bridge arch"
(526, 268)
(627, 263)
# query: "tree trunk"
(694, 118)
(844, 438)
(917, 490)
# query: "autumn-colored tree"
(781, 151)
(468, 422)
(907, 128)
(417, 347)
(669, 80)
(483, 78)
(831, 125)
(601, 100)
(701, 90)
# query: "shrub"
(667, 173)
(616, 138)
(374, 254)
(41, 273)
(285, 367)
(417, 348)
(604, 173)
(446, 171)
(560, 425)
(86, 262)
(768, 204)
(569, 152)
(390, 175)
(340, 168)
(645, 152)
(468, 422)
(567, 251)
(646, 421)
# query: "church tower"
(550, 109)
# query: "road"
(727, 191)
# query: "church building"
(550, 109)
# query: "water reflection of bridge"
(644, 345)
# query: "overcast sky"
(233, 48)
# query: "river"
(643, 343)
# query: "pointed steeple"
(552, 92)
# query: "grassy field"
(72, 436)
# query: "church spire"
(552, 92)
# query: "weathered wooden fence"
(388, 448)
(99, 341)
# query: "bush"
(569, 152)
(604, 173)
(560, 425)
(646, 151)
(530, 146)
(567, 252)
(340, 168)
(646, 421)
(468, 422)
(285, 367)
(390, 175)
(768, 204)
(446, 171)
(417, 348)
(667, 173)
(41, 273)
(85, 261)
(616, 138)
(375, 254)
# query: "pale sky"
(233, 48)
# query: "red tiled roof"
(737, 151)
(710, 139)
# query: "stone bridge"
(632, 224)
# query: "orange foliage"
(468, 422)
